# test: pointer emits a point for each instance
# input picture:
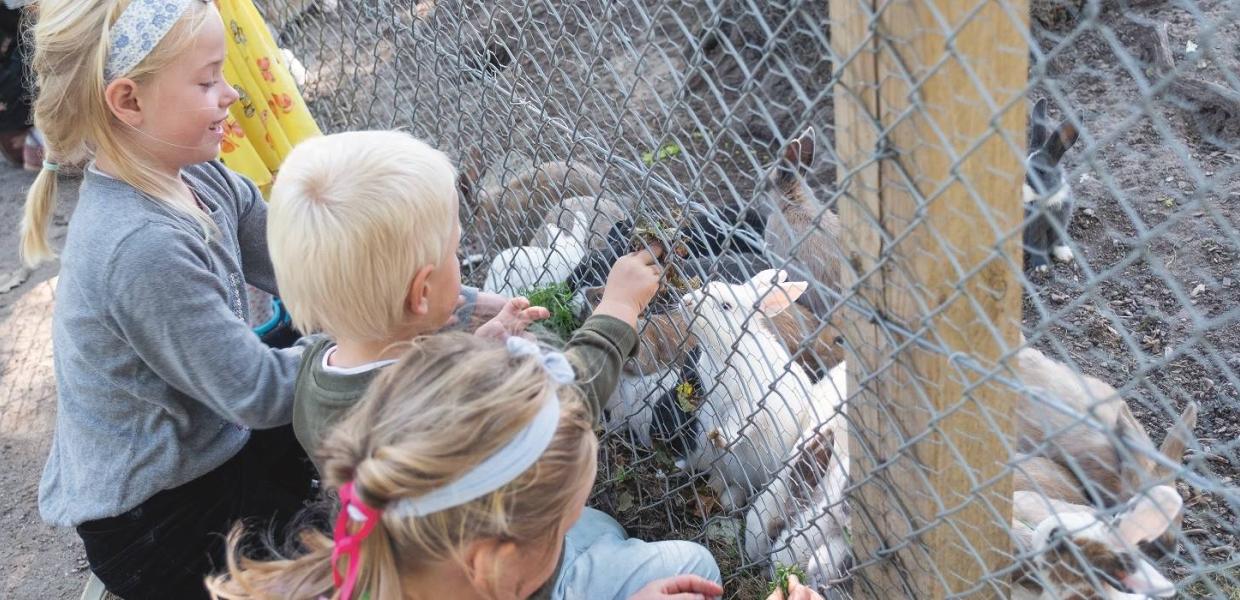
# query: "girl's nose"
(229, 96)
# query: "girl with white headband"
(172, 417)
(458, 475)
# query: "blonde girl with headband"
(172, 418)
(458, 475)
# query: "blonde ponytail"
(40, 203)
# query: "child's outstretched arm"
(609, 337)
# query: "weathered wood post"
(930, 120)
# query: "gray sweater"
(159, 377)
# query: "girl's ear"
(418, 301)
(488, 564)
(122, 99)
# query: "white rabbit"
(757, 400)
(1081, 553)
(516, 270)
(801, 518)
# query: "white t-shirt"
(370, 366)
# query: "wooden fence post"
(929, 120)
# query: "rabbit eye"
(726, 305)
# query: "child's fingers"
(648, 257)
(535, 313)
(693, 584)
(516, 305)
(685, 596)
(804, 593)
(797, 591)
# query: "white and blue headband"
(138, 30)
(507, 463)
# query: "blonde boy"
(363, 232)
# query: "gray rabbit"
(1047, 196)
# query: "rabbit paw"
(1042, 268)
(1062, 253)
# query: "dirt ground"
(1157, 226)
(37, 561)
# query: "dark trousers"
(166, 546)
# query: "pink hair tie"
(351, 509)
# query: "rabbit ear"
(777, 298)
(1037, 125)
(769, 277)
(470, 175)
(1150, 515)
(1145, 581)
(800, 152)
(1058, 144)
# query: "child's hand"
(516, 315)
(796, 591)
(681, 587)
(631, 285)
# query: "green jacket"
(597, 351)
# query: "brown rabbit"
(601, 214)
(801, 228)
(1114, 472)
(508, 212)
(1082, 441)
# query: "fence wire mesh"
(865, 432)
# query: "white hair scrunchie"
(555, 363)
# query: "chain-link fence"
(1018, 226)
